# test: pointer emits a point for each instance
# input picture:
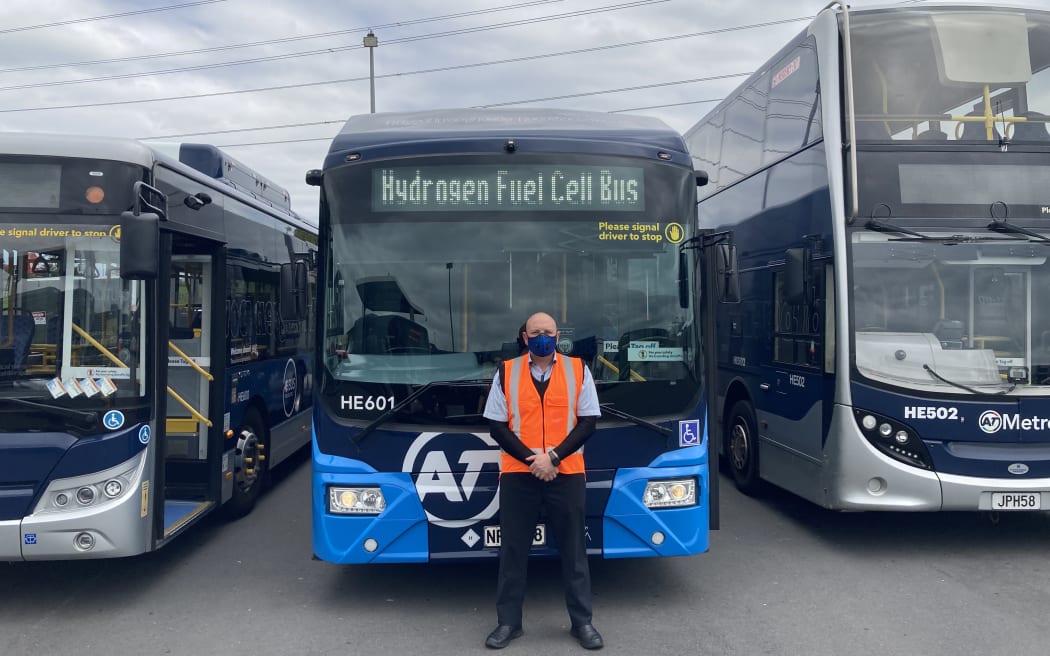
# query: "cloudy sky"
(273, 81)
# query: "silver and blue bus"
(884, 178)
(155, 342)
(441, 232)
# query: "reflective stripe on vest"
(542, 424)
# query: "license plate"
(492, 536)
(1016, 500)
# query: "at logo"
(290, 389)
(446, 468)
(990, 421)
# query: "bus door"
(191, 487)
(791, 409)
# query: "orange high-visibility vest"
(542, 424)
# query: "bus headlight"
(91, 491)
(355, 500)
(86, 495)
(670, 494)
(893, 438)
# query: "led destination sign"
(546, 188)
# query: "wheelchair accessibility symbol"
(689, 432)
(113, 419)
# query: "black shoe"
(588, 636)
(503, 634)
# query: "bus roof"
(202, 162)
(435, 131)
(68, 145)
(220, 165)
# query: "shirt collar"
(532, 364)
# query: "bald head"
(540, 323)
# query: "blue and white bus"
(441, 232)
(155, 343)
(884, 176)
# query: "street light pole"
(371, 42)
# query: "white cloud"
(397, 87)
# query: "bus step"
(178, 514)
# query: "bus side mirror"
(701, 178)
(683, 280)
(729, 290)
(796, 275)
(139, 246)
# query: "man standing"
(541, 409)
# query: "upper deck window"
(972, 75)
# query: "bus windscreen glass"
(968, 309)
(942, 75)
(418, 296)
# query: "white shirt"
(587, 406)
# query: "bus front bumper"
(869, 480)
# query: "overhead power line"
(678, 104)
(329, 50)
(582, 94)
(301, 85)
(123, 14)
(304, 37)
(234, 130)
(272, 143)
(285, 126)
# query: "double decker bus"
(884, 178)
(155, 347)
(441, 232)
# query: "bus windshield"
(952, 74)
(70, 328)
(437, 290)
(961, 313)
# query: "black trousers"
(521, 496)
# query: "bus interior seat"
(381, 334)
(179, 332)
(933, 134)
(949, 333)
(1035, 129)
(872, 130)
(14, 356)
(974, 131)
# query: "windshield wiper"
(948, 240)
(1003, 227)
(86, 417)
(663, 430)
(941, 378)
(883, 226)
(360, 436)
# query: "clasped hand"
(541, 467)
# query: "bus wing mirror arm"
(140, 234)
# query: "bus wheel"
(742, 447)
(249, 465)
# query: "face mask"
(542, 345)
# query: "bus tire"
(741, 448)
(249, 471)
